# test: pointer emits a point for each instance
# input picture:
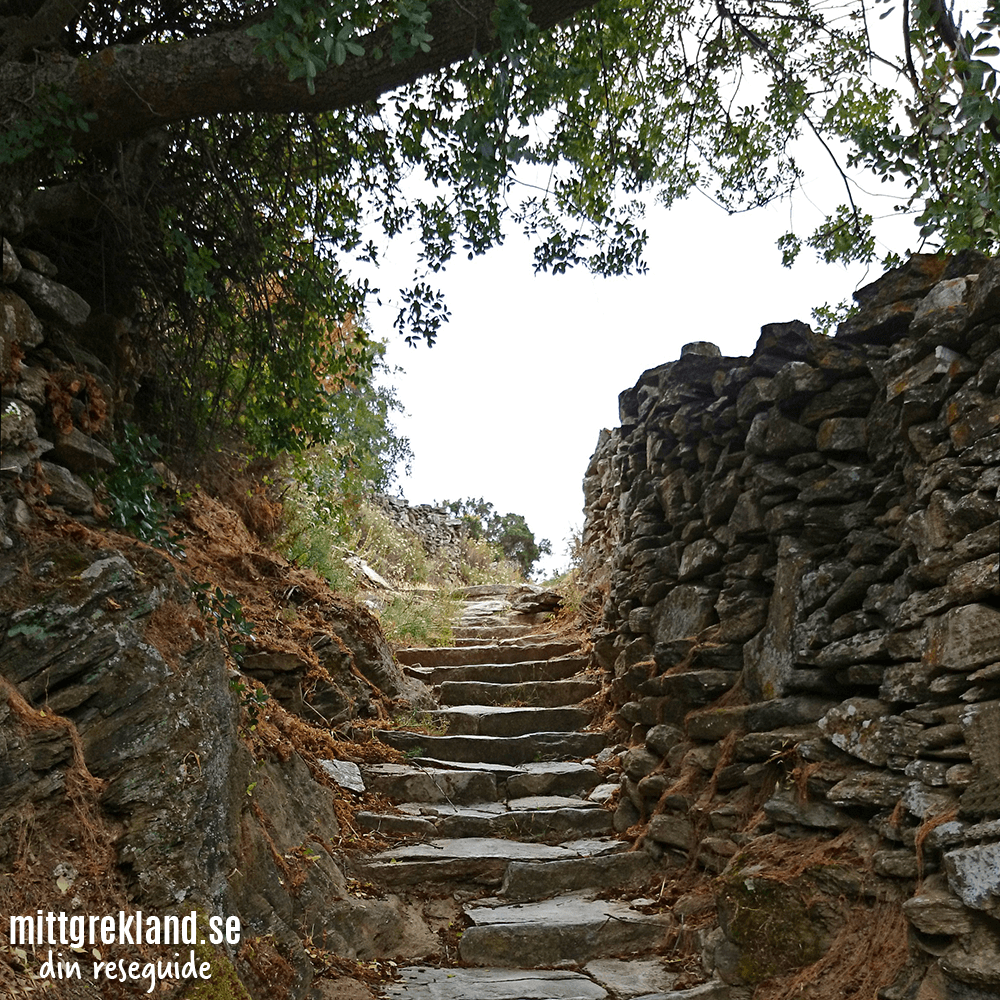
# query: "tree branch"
(40, 30)
(132, 88)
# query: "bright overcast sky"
(509, 402)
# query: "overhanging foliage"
(215, 169)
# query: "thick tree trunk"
(133, 88)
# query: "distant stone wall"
(437, 528)
(802, 623)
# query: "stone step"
(423, 983)
(545, 818)
(545, 694)
(403, 783)
(524, 672)
(569, 928)
(552, 778)
(394, 826)
(479, 861)
(512, 651)
(601, 979)
(491, 632)
(626, 872)
(430, 780)
(510, 750)
(545, 825)
(492, 720)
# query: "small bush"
(131, 490)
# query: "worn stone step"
(405, 783)
(624, 872)
(545, 694)
(551, 778)
(509, 750)
(493, 720)
(540, 817)
(462, 783)
(523, 672)
(629, 979)
(394, 826)
(423, 983)
(501, 771)
(513, 651)
(547, 823)
(569, 928)
(492, 632)
(469, 860)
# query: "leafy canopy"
(216, 170)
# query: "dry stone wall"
(799, 551)
(57, 397)
(439, 531)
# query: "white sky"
(509, 402)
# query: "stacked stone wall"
(58, 397)
(440, 532)
(799, 550)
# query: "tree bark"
(133, 88)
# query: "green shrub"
(131, 491)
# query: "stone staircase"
(501, 809)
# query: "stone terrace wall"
(440, 532)
(57, 397)
(803, 612)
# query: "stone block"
(758, 394)
(52, 300)
(974, 876)
(700, 558)
(864, 728)
(984, 295)
(639, 762)
(935, 910)
(663, 738)
(65, 490)
(964, 638)
(17, 427)
(11, 265)
(942, 361)
(911, 280)
(869, 788)
(17, 321)
(842, 434)
(684, 612)
(786, 807)
(943, 309)
(978, 423)
(673, 829)
(849, 398)
(773, 435)
(30, 386)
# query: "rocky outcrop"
(799, 551)
(148, 761)
(140, 762)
